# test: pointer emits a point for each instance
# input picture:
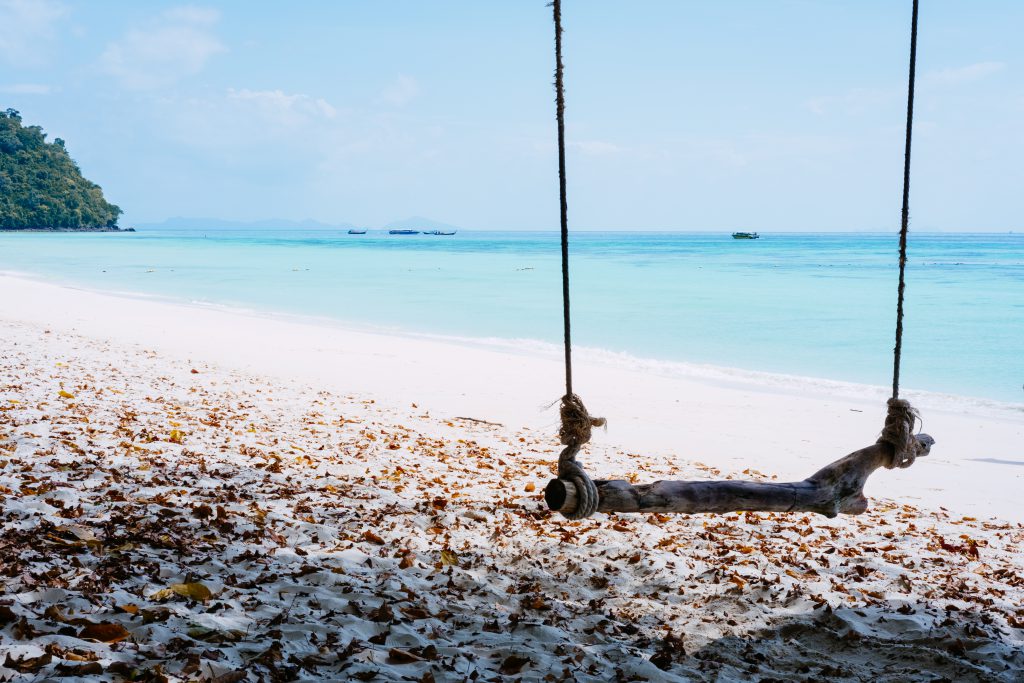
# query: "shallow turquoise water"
(819, 305)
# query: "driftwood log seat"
(835, 489)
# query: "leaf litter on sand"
(166, 525)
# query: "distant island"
(42, 188)
(183, 223)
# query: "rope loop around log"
(899, 433)
(587, 496)
(577, 427)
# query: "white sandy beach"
(343, 522)
(727, 419)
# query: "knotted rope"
(576, 421)
(899, 433)
(901, 417)
(577, 426)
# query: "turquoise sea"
(819, 305)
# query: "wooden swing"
(836, 488)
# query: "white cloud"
(177, 44)
(401, 92)
(861, 100)
(282, 108)
(26, 89)
(191, 14)
(27, 30)
(250, 127)
(855, 101)
(964, 74)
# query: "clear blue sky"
(784, 115)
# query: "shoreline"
(720, 375)
(63, 230)
(788, 429)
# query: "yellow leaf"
(176, 436)
(65, 394)
(192, 591)
(449, 558)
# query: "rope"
(576, 421)
(563, 202)
(901, 417)
(898, 349)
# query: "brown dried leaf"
(27, 665)
(105, 632)
(371, 537)
(513, 665)
(400, 656)
(89, 669)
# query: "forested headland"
(41, 186)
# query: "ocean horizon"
(807, 304)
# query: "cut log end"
(835, 489)
(560, 494)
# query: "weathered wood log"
(837, 488)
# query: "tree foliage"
(41, 186)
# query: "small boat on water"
(403, 232)
(745, 236)
(355, 231)
(439, 232)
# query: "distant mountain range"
(181, 223)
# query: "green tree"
(40, 184)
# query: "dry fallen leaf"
(371, 537)
(400, 656)
(27, 665)
(104, 632)
(513, 665)
(449, 558)
(193, 591)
